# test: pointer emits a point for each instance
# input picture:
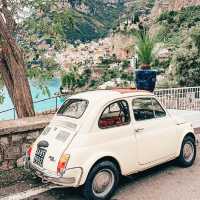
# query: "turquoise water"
(37, 95)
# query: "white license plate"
(39, 156)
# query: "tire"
(188, 152)
(106, 171)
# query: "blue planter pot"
(145, 79)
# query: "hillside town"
(94, 52)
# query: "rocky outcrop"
(179, 4)
(167, 5)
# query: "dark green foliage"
(150, 3)
(161, 65)
(186, 63)
(180, 30)
(74, 2)
(70, 24)
(125, 64)
(195, 35)
(136, 18)
(173, 23)
(73, 80)
(168, 17)
(40, 77)
(127, 76)
(108, 61)
(187, 68)
(144, 47)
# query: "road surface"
(166, 182)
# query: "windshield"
(73, 108)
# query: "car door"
(114, 135)
(156, 133)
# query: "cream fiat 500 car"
(97, 136)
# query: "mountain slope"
(179, 4)
(97, 22)
(91, 19)
(168, 5)
(174, 25)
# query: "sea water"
(53, 87)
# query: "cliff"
(179, 4)
(168, 5)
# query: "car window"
(73, 108)
(147, 108)
(158, 110)
(143, 109)
(115, 114)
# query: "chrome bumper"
(71, 178)
(65, 182)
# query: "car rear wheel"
(101, 182)
(188, 152)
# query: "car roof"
(111, 94)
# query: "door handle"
(178, 124)
(139, 130)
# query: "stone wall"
(17, 135)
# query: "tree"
(74, 2)
(74, 79)
(195, 35)
(186, 61)
(12, 67)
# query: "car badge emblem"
(52, 158)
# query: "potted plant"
(145, 45)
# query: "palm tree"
(145, 46)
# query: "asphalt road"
(166, 182)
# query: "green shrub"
(186, 63)
(173, 23)
(125, 64)
(195, 35)
(74, 80)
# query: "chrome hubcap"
(188, 151)
(103, 183)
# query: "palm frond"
(144, 47)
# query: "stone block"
(33, 135)
(12, 153)
(17, 138)
(6, 165)
(4, 140)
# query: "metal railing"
(55, 106)
(186, 98)
(8, 110)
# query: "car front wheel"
(102, 181)
(188, 152)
